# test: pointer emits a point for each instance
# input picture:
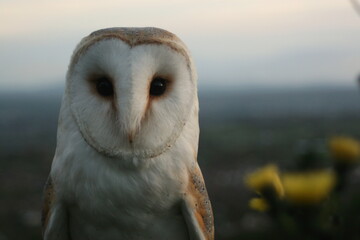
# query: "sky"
(235, 43)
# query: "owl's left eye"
(104, 87)
(158, 86)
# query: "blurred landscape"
(240, 130)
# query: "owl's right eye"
(104, 87)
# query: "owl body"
(125, 164)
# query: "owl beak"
(132, 108)
(131, 116)
(131, 137)
(131, 132)
(133, 125)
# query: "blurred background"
(272, 74)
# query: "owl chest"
(129, 192)
(124, 203)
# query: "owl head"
(131, 91)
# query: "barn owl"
(125, 165)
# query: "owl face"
(131, 90)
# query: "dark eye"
(104, 87)
(158, 86)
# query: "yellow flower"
(267, 176)
(258, 204)
(345, 149)
(308, 188)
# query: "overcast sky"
(242, 43)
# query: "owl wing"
(54, 217)
(196, 208)
(49, 197)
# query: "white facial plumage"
(132, 122)
(130, 103)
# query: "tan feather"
(133, 37)
(199, 203)
(49, 198)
